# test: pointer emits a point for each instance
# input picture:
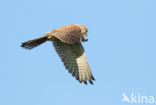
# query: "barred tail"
(34, 43)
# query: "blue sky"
(121, 51)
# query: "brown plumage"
(67, 43)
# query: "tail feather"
(34, 43)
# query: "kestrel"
(67, 43)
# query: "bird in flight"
(67, 43)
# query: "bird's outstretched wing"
(74, 59)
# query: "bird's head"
(84, 30)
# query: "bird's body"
(68, 34)
(67, 42)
